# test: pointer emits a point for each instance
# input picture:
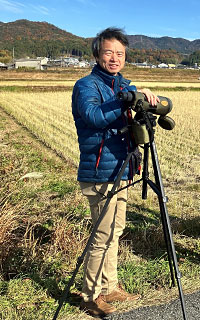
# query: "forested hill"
(39, 39)
(30, 38)
(25, 29)
(164, 43)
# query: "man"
(98, 116)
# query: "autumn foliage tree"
(5, 56)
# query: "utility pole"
(13, 55)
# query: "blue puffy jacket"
(98, 115)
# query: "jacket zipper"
(112, 88)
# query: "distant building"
(143, 65)
(163, 65)
(83, 64)
(3, 66)
(171, 66)
(38, 63)
(180, 66)
(70, 61)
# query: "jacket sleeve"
(88, 103)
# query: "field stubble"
(48, 116)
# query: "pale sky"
(84, 18)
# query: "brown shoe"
(98, 307)
(120, 295)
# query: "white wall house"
(71, 61)
(38, 63)
(163, 65)
(83, 64)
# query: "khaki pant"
(100, 267)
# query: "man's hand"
(151, 97)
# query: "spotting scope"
(138, 102)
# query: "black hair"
(109, 33)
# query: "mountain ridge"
(25, 38)
(24, 29)
(181, 45)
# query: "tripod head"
(138, 102)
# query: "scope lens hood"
(166, 122)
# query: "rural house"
(38, 63)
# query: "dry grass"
(9, 227)
(37, 83)
(179, 148)
(47, 115)
(70, 83)
(130, 72)
(54, 74)
(169, 84)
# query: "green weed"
(25, 299)
(61, 187)
(143, 276)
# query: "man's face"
(112, 56)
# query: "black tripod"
(157, 187)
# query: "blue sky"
(174, 18)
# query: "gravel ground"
(170, 311)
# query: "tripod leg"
(166, 225)
(156, 189)
(145, 173)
